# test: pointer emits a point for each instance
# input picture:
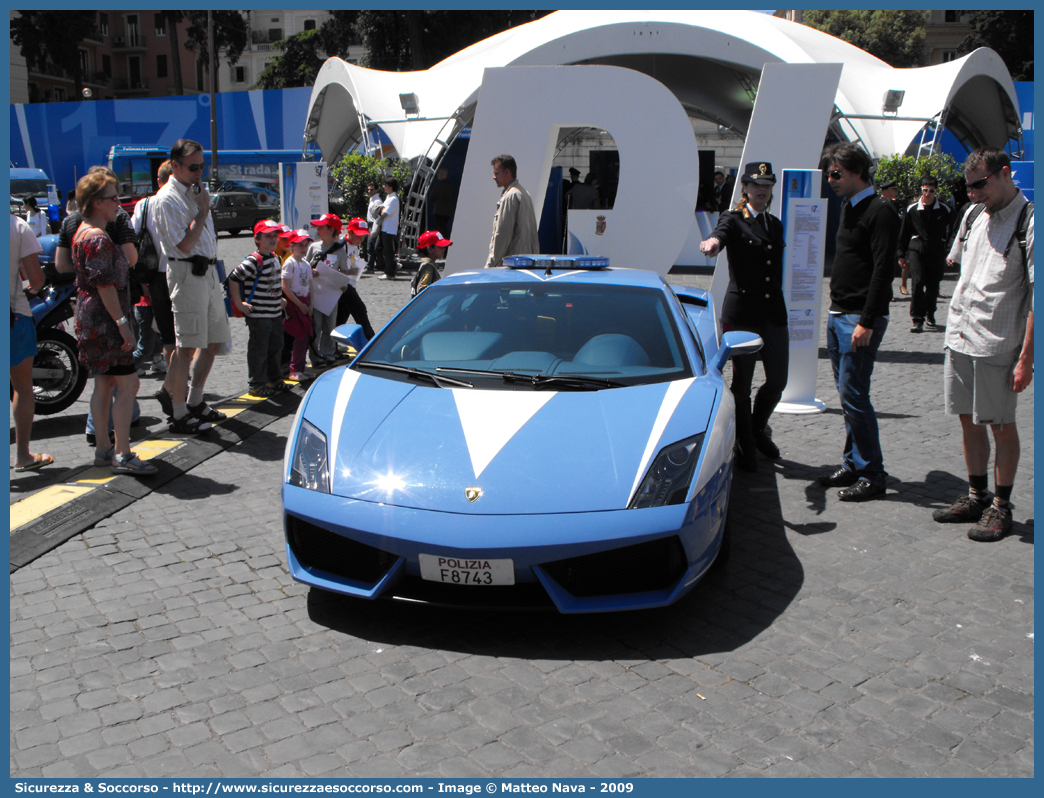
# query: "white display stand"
(791, 112)
(804, 216)
(521, 110)
(303, 192)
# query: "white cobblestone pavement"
(839, 640)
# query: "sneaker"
(918, 327)
(963, 511)
(930, 323)
(159, 365)
(995, 524)
(300, 376)
(264, 391)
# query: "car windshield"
(28, 188)
(558, 336)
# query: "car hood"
(498, 452)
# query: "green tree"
(909, 171)
(230, 35)
(338, 33)
(297, 64)
(1009, 33)
(896, 37)
(53, 37)
(354, 171)
(414, 40)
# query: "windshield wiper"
(578, 381)
(440, 382)
(574, 381)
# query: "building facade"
(128, 54)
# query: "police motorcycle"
(58, 375)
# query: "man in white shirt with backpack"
(989, 338)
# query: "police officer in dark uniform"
(754, 303)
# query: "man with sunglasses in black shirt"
(860, 290)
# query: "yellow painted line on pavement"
(230, 411)
(44, 501)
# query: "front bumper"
(577, 562)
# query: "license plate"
(459, 571)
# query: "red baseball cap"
(331, 219)
(286, 231)
(358, 226)
(296, 236)
(433, 238)
(266, 226)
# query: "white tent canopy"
(710, 60)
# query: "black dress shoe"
(841, 478)
(763, 440)
(746, 460)
(863, 490)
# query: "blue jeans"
(146, 335)
(852, 372)
(90, 416)
(264, 351)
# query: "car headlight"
(310, 466)
(668, 478)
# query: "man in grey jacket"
(514, 225)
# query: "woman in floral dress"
(105, 336)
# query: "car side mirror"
(737, 343)
(352, 334)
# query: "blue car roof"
(26, 173)
(608, 276)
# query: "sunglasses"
(928, 191)
(978, 185)
(193, 167)
(113, 198)
(833, 174)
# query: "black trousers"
(775, 357)
(925, 273)
(389, 246)
(351, 304)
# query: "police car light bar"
(556, 262)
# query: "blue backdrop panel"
(65, 139)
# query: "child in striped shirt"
(258, 279)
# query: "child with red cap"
(255, 290)
(329, 249)
(297, 288)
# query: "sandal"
(188, 424)
(165, 400)
(281, 386)
(102, 459)
(39, 461)
(132, 464)
(205, 412)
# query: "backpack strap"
(1021, 231)
(258, 263)
(969, 219)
